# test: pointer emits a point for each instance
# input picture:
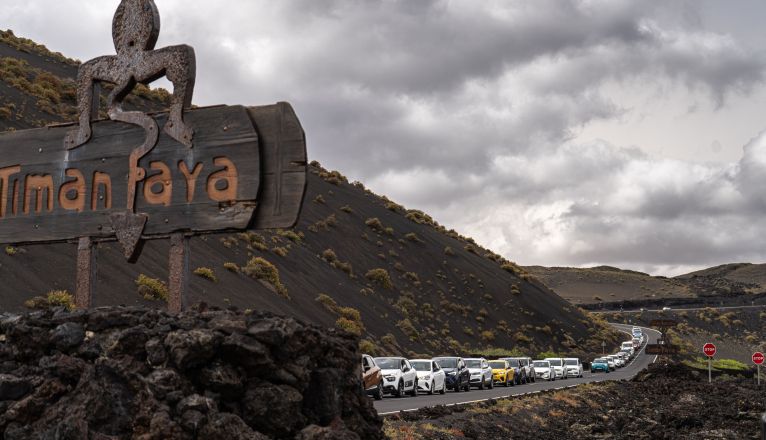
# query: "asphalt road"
(390, 405)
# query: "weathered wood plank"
(284, 167)
(67, 206)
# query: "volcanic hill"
(603, 285)
(356, 260)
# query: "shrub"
(468, 331)
(448, 251)
(487, 336)
(471, 249)
(374, 223)
(329, 256)
(380, 277)
(291, 235)
(350, 326)
(152, 288)
(350, 313)
(548, 354)
(413, 237)
(11, 251)
(405, 325)
(509, 267)
(343, 267)
(412, 276)
(515, 289)
(368, 347)
(521, 338)
(231, 267)
(206, 273)
(254, 239)
(54, 298)
(263, 270)
(281, 251)
(392, 206)
(327, 302)
(319, 199)
(389, 231)
(347, 209)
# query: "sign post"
(135, 176)
(758, 360)
(603, 347)
(709, 350)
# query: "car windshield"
(524, 362)
(447, 362)
(388, 363)
(571, 361)
(473, 363)
(497, 364)
(555, 362)
(541, 364)
(421, 365)
(600, 361)
(513, 362)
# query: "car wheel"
(431, 390)
(378, 394)
(509, 382)
(400, 389)
(444, 387)
(458, 386)
(481, 385)
(491, 383)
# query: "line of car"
(398, 376)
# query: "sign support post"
(178, 284)
(709, 351)
(86, 272)
(758, 360)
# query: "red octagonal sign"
(709, 349)
(758, 358)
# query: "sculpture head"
(136, 26)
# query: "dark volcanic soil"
(132, 373)
(666, 402)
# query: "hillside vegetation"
(356, 260)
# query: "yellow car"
(502, 372)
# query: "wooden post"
(178, 283)
(86, 272)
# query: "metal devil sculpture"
(209, 170)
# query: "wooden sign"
(662, 323)
(660, 349)
(207, 170)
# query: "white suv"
(558, 367)
(398, 376)
(573, 367)
(481, 373)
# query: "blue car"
(599, 364)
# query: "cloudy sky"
(556, 132)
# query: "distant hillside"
(356, 260)
(606, 284)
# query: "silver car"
(481, 373)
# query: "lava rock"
(13, 388)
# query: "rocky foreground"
(666, 402)
(131, 373)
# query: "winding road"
(391, 405)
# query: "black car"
(519, 372)
(458, 377)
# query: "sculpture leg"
(178, 63)
(88, 96)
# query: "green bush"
(380, 277)
(260, 269)
(350, 326)
(152, 288)
(54, 298)
(206, 273)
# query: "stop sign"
(709, 349)
(758, 358)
